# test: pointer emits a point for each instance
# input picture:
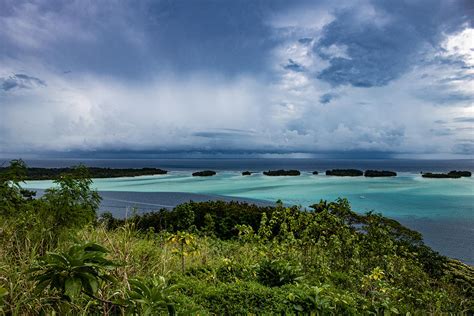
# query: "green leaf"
(298, 308)
(95, 247)
(56, 258)
(3, 292)
(94, 284)
(72, 287)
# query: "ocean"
(441, 209)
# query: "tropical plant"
(278, 273)
(13, 198)
(79, 270)
(71, 203)
(185, 245)
(152, 296)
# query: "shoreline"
(307, 172)
(261, 164)
(449, 236)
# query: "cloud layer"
(253, 77)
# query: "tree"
(13, 198)
(186, 244)
(72, 203)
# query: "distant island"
(204, 173)
(344, 172)
(94, 172)
(450, 175)
(377, 173)
(282, 172)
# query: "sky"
(237, 78)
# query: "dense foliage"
(282, 172)
(461, 173)
(53, 173)
(213, 258)
(377, 173)
(450, 175)
(204, 173)
(344, 172)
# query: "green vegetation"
(282, 172)
(58, 258)
(53, 173)
(450, 175)
(344, 172)
(440, 175)
(377, 173)
(205, 173)
(461, 173)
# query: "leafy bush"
(185, 244)
(231, 271)
(241, 298)
(68, 206)
(79, 270)
(278, 273)
(221, 216)
(152, 296)
(71, 203)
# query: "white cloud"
(86, 112)
(29, 28)
(461, 45)
(335, 51)
(90, 112)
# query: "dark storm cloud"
(327, 97)
(230, 36)
(294, 66)
(20, 81)
(139, 39)
(305, 40)
(224, 133)
(465, 148)
(383, 45)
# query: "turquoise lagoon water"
(407, 194)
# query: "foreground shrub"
(152, 296)
(278, 273)
(69, 205)
(78, 271)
